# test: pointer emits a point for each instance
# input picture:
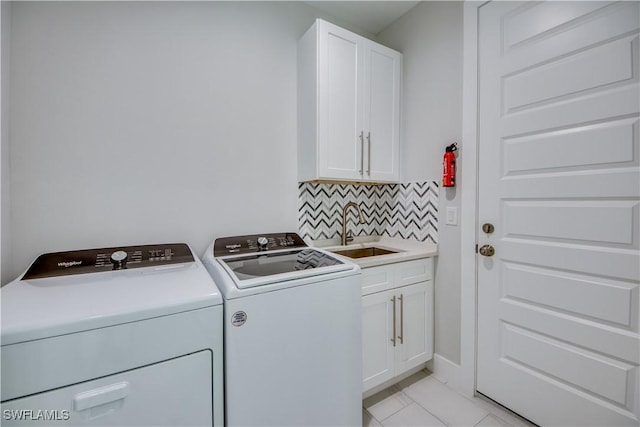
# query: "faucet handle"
(349, 236)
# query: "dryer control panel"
(107, 259)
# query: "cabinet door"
(415, 325)
(378, 352)
(340, 147)
(382, 113)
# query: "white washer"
(293, 352)
(113, 337)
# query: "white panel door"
(558, 177)
(341, 139)
(382, 113)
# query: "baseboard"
(450, 373)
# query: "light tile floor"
(422, 400)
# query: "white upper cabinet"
(348, 107)
(382, 112)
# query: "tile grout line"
(430, 374)
(434, 415)
(429, 412)
(397, 389)
(490, 408)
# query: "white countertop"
(405, 249)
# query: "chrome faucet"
(346, 238)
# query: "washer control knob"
(119, 259)
(262, 243)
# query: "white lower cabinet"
(397, 322)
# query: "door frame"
(462, 377)
(465, 379)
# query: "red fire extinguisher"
(449, 166)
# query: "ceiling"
(371, 16)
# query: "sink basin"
(364, 252)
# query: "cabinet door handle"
(401, 336)
(361, 152)
(369, 154)
(393, 340)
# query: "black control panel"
(107, 259)
(256, 243)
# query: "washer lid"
(262, 268)
(62, 304)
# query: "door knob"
(487, 250)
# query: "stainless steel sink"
(364, 252)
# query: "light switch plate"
(452, 216)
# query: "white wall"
(151, 122)
(430, 37)
(5, 229)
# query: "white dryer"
(126, 336)
(293, 346)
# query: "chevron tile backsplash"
(407, 210)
